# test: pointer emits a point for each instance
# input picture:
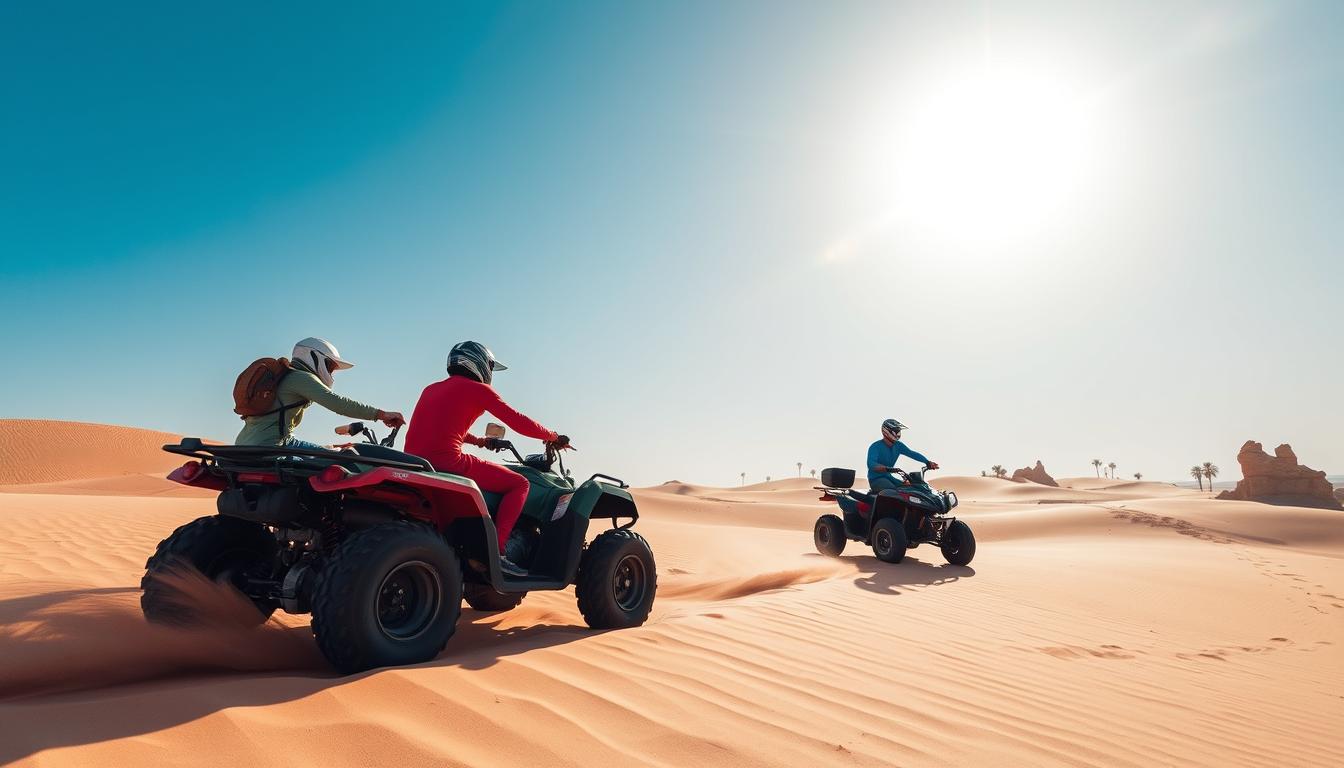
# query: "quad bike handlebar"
(356, 428)
(553, 450)
(906, 475)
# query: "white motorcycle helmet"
(315, 353)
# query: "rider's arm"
(875, 459)
(479, 442)
(310, 388)
(517, 421)
(902, 450)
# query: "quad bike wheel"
(617, 580)
(829, 535)
(958, 543)
(390, 595)
(889, 542)
(483, 597)
(224, 549)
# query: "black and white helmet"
(891, 429)
(475, 360)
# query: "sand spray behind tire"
(81, 639)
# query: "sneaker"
(510, 568)
(515, 549)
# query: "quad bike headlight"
(951, 499)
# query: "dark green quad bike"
(382, 549)
(891, 521)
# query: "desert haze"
(1102, 622)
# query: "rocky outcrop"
(1339, 494)
(1036, 474)
(1279, 479)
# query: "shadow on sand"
(888, 578)
(75, 657)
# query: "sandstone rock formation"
(1036, 474)
(1279, 479)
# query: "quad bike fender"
(602, 501)
(438, 498)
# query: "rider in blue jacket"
(882, 456)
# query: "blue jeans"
(884, 484)
(302, 445)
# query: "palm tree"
(1112, 466)
(767, 478)
(1097, 464)
(814, 473)
(998, 471)
(1210, 471)
(744, 477)
(1197, 472)
(800, 469)
(1138, 475)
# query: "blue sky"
(697, 234)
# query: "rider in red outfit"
(444, 413)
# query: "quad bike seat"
(872, 495)
(392, 454)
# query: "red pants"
(497, 479)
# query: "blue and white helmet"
(476, 360)
(891, 429)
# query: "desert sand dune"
(147, 484)
(35, 451)
(1103, 630)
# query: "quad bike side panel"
(545, 491)
(438, 498)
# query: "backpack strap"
(284, 425)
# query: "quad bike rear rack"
(266, 454)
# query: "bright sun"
(990, 158)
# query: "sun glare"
(993, 157)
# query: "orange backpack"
(254, 392)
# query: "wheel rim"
(824, 535)
(409, 600)
(629, 582)
(883, 542)
(952, 545)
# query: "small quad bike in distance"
(891, 521)
(382, 549)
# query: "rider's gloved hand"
(933, 465)
(561, 442)
(391, 418)
(492, 444)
